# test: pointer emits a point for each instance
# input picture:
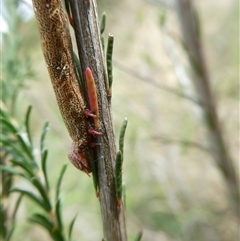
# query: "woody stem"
(85, 21)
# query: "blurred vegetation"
(16, 64)
(19, 155)
(173, 190)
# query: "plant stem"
(85, 19)
(192, 42)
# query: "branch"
(192, 42)
(154, 82)
(166, 140)
(85, 22)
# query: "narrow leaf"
(103, 23)
(24, 165)
(102, 28)
(44, 154)
(118, 177)
(59, 181)
(44, 167)
(42, 220)
(25, 145)
(31, 195)
(17, 206)
(109, 63)
(46, 202)
(43, 135)
(71, 228)
(122, 135)
(8, 124)
(27, 121)
(48, 224)
(57, 235)
(15, 149)
(13, 170)
(59, 214)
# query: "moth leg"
(89, 113)
(93, 132)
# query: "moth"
(57, 49)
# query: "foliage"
(19, 151)
(19, 154)
(16, 65)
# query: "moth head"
(79, 159)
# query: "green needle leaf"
(15, 150)
(102, 28)
(59, 181)
(48, 224)
(17, 206)
(71, 228)
(43, 135)
(118, 177)
(24, 165)
(13, 170)
(27, 120)
(44, 167)
(109, 61)
(7, 124)
(59, 214)
(44, 154)
(119, 162)
(122, 135)
(57, 235)
(42, 220)
(25, 146)
(46, 202)
(31, 195)
(103, 22)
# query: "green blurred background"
(173, 191)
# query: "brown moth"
(56, 45)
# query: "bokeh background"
(174, 191)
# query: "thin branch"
(166, 140)
(152, 81)
(191, 33)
